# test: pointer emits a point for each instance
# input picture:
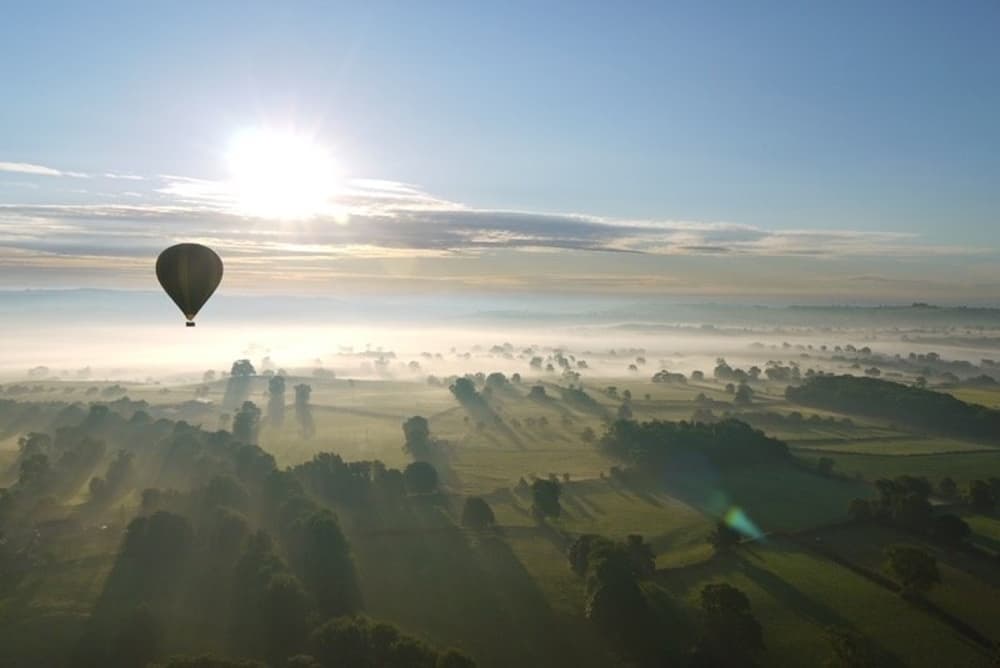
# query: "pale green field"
(984, 396)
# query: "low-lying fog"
(91, 335)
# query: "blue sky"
(876, 121)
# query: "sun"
(281, 175)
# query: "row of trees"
(652, 446)
(934, 411)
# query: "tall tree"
(246, 423)
(276, 401)
(303, 410)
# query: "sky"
(843, 152)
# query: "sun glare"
(281, 175)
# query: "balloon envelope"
(189, 274)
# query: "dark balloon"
(189, 274)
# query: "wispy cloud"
(38, 170)
(380, 220)
(398, 217)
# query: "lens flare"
(736, 519)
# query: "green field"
(960, 467)
(509, 597)
(901, 445)
(970, 585)
(800, 594)
(985, 531)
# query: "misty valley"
(699, 485)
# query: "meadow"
(508, 597)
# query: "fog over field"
(136, 335)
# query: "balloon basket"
(189, 324)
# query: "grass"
(969, 583)
(904, 445)
(989, 397)
(985, 531)
(507, 600)
(796, 595)
(44, 615)
(961, 467)
(773, 498)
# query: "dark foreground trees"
(733, 636)
(359, 642)
(654, 446)
(914, 569)
(545, 498)
(477, 514)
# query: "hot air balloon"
(189, 274)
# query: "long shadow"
(482, 411)
(476, 596)
(541, 636)
(792, 597)
(578, 508)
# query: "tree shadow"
(791, 596)
(462, 589)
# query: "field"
(801, 594)
(970, 585)
(509, 597)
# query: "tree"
(948, 488)
(209, 661)
(242, 368)
(137, 640)
(361, 643)
(724, 537)
(743, 395)
(915, 569)
(579, 551)
(477, 514)
(276, 401)
(285, 607)
(860, 510)
(35, 472)
(950, 529)
(625, 411)
(980, 496)
(545, 498)
(465, 392)
(641, 556)
(496, 380)
(246, 423)
(537, 392)
(417, 436)
(588, 435)
(732, 633)
(421, 478)
(326, 566)
(852, 649)
(303, 411)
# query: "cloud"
(126, 177)
(397, 217)
(405, 237)
(38, 170)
